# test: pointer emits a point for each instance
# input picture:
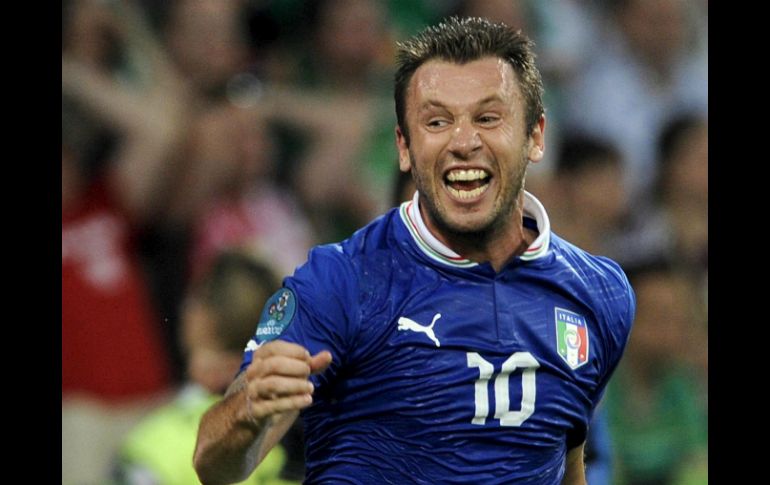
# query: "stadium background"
(195, 126)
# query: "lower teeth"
(467, 194)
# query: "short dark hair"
(463, 40)
(670, 140)
(673, 133)
(579, 152)
(234, 289)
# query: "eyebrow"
(438, 104)
(432, 104)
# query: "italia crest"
(571, 337)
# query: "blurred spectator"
(233, 163)
(343, 171)
(329, 173)
(515, 13)
(681, 188)
(206, 46)
(207, 78)
(652, 66)
(145, 104)
(563, 30)
(589, 204)
(219, 316)
(115, 365)
(208, 42)
(588, 193)
(674, 221)
(680, 203)
(656, 402)
(348, 44)
(170, 121)
(315, 152)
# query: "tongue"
(466, 184)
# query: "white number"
(523, 360)
(480, 387)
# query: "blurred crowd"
(207, 138)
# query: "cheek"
(424, 155)
(504, 146)
(212, 368)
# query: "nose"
(465, 140)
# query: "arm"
(598, 449)
(257, 410)
(338, 127)
(150, 118)
(575, 473)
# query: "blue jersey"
(445, 371)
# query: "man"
(455, 339)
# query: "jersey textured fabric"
(445, 371)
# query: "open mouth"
(467, 184)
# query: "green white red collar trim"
(438, 251)
(534, 209)
(427, 242)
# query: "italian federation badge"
(571, 337)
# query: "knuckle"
(269, 366)
(268, 384)
(256, 362)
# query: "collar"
(438, 251)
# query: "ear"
(404, 161)
(537, 141)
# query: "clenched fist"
(277, 378)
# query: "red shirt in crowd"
(112, 345)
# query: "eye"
(488, 119)
(437, 123)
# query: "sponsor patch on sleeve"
(277, 315)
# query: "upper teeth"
(466, 175)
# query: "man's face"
(468, 147)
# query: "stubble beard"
(498, 220)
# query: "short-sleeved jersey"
(444, 370)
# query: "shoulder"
(370, 242)
(599, 272)
(601, 284)
(600, 278)
(373, 237)
(345, 267)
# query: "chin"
(467, 225)
(477, 218)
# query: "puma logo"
(409, 324)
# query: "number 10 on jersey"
(519, 360)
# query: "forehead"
(452, 83)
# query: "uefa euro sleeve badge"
(277, 315)
(571, 337)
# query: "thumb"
(320, 361)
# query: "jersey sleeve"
(615, 305)
(317, 308)
(619, 309)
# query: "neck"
(497, 245)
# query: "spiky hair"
(462, 40)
